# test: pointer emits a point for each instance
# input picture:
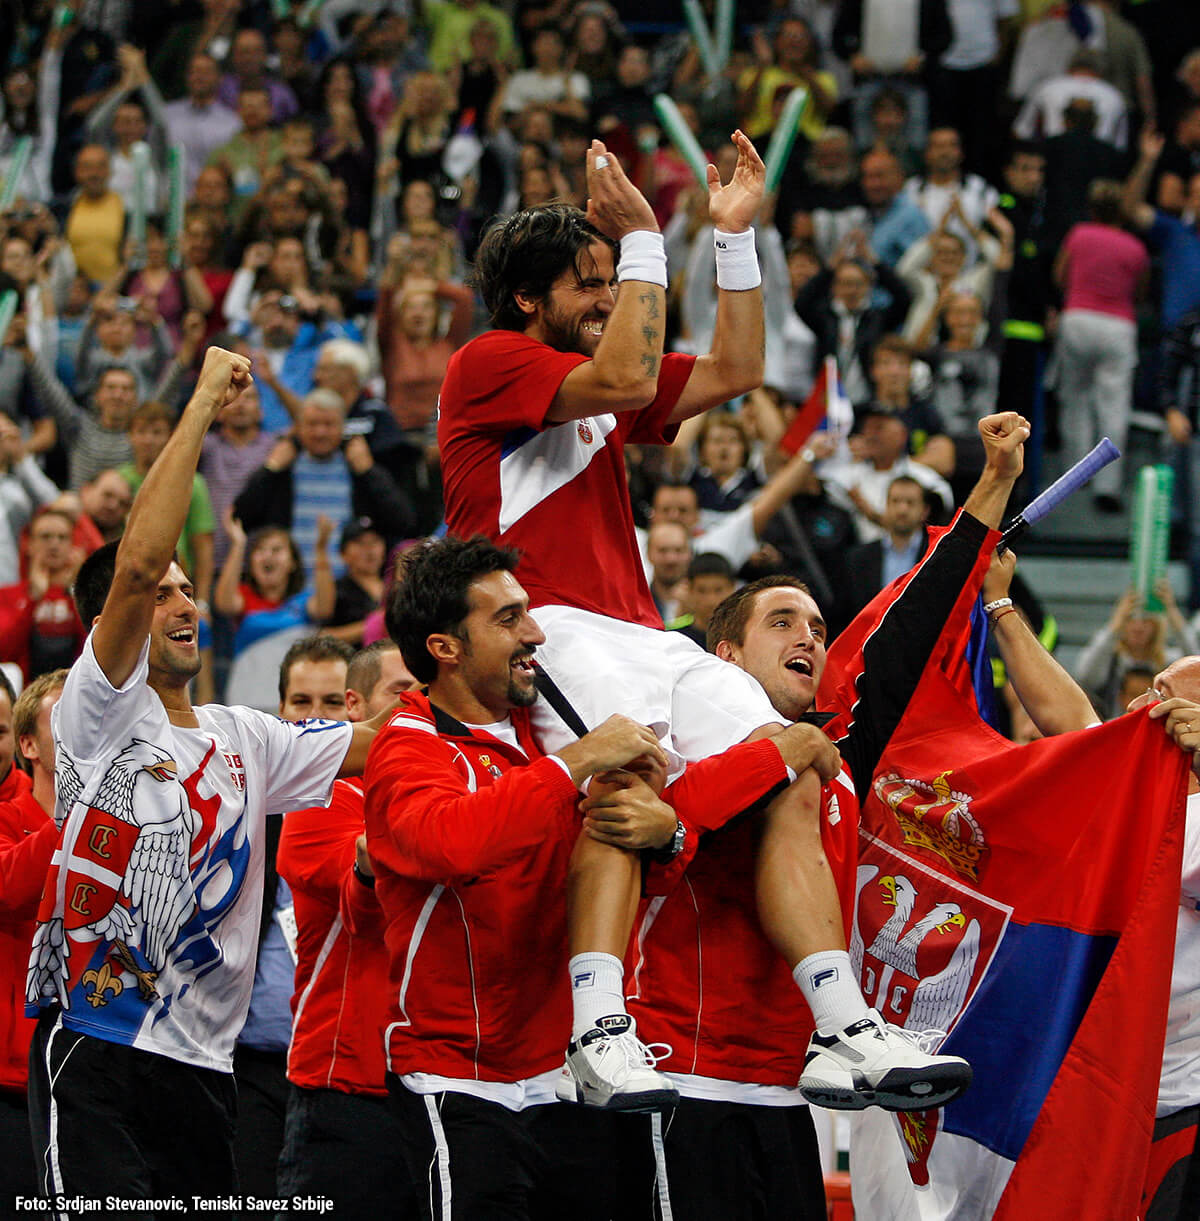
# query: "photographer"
(317, 470)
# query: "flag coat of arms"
(1022, 899)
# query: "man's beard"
(566, 335)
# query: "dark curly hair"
(526, 253)
(431, 594)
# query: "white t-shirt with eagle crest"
(148, 927)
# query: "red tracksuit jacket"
(341, 1001)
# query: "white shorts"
(697, 704)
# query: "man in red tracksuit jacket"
(27, 839)
(705, 979)
(470, 831)
(339, 1138)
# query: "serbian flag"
(1023, 899)
(826, 403)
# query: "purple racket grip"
(1070, 481)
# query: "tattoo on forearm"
(650, 364)
(650, 301)
(650, 335)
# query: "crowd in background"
(990, 205)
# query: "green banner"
(1150, 534)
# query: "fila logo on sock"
(585, 979)
(823, 977)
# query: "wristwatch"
(670, 850)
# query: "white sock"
(831, 988)
(597, 989)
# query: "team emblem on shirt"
(130, 869)
(585, 431)
(237, 773)
(936, 817)
(486, 761)
(922, 944)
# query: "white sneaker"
(610, 1067)
(872, 1063)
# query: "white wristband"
(999, 604)
(737, 264)
(643, 257)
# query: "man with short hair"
(95, 225)
(97, 439)
(27, 835)
(710, 580)
(312, 681)
(106, 501)
(871, 566)
(340, 1139)
(668, 551)
(248, 70)
(144, 972)
(322, 472)
(255, 148)
(709, 981)
(944, 181)
(201, 122)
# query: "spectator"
(890, 219)
(871, 566)
(201, 122)
(1175, 240)
(388, 53)
(1042, 114)
(1133, 637)
(39, 627)
(95, 439)
(1179, 400)
(1180, 162)
(449, 23)
(889, 46)
(1030, 286)
(625, 98)
(710, 580)
(966, 380)
(262, 586)
(248, 70)
(16, 391)
(937, 266)
(882, 455)
(247, 156)
(346, 141)
(211, 32)
(549, 82)
(892, 391)
(668, 552)
(322, 473)
(1074, 160)
(837, 305)
(724, 478)
(1126, 64)
(232, 452)
(23, 489)
(965, 82)
(105, 501)
(793, 59)
(160, 291)
(1102, 270)
(945, 182)
(133, 114)
(360, 587)
(826, 185)
(96, 222)
(598, 41)
(109, 342)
